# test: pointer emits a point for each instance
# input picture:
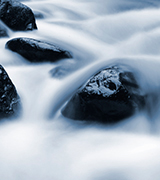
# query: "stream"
(41, 144)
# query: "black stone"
(108, 97)
(37, 51)
(16, 15)
(9, 99)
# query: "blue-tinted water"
(42, 144)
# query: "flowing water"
(43, 145)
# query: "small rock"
(17, 16)
(63, 70)
(59, 72)
(37, 51)
(9, 99)
(108, 97)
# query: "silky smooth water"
(43, 145)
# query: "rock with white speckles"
(17, 16)
(109, 96)
(37, 51)
(9, 99)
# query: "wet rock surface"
(108, 97)
(17, 16)
(9, 99)
(37, 51)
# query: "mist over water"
(43, 145)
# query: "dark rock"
(37, 51)
(3, 30)
(16, 15)
(108, 97)
(9, 99)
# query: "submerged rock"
(63, 70)
(3, 30)
(9, 99)
(108, 97)
(38, 15)
(16, 15)
(37, 51)
(59, 72)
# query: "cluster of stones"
(109, 96)
(18, 17)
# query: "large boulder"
(108, 97)
(16, 15)
(9, 99)
(37, 51)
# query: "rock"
(17, 16)
(59, 72)
(3, 30)
(62, 70)
(37, 51)
(108, 97)
(9, 99)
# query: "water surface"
(42, 144)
